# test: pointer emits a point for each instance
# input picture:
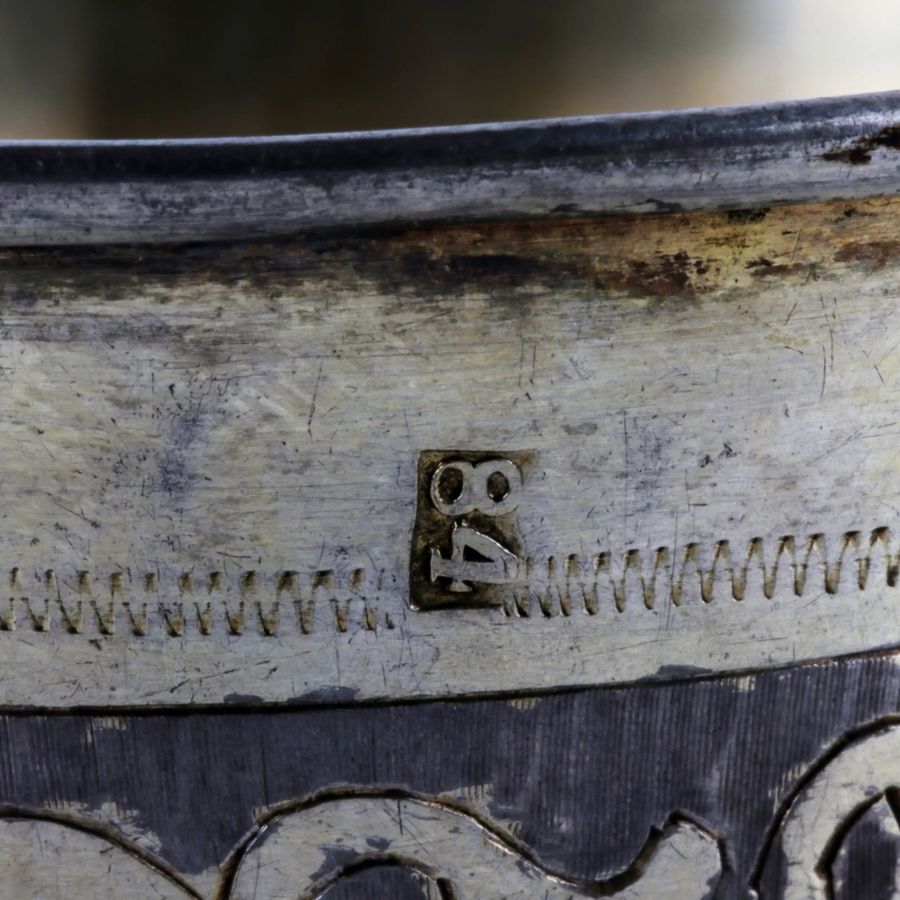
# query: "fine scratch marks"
(312, 405)
(824, 372)
(791, 313)
(74, 512)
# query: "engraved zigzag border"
(695, 572)
(289, 601)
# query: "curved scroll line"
(813, 820)
(91, 838)
(307, 849)
(441, 886)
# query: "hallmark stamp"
(466, 546)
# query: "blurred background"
(160, 68)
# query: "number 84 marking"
(492, 487)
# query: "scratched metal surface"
(213, 458)
(537, 542)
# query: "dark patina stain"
(663, 275)
(860, 151)
(679, 672)
(20, 298)
(747, 216)
(496, 259)
(763, 267)
(877, 253)
(666, 275)
(665, 206)
(336, 858)
(488, 269)
(242, 699)
(334, 694)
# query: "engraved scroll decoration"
(307, 850)
(857, 784)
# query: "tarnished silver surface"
(471, 459)
(102, 192)
(607, 405)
